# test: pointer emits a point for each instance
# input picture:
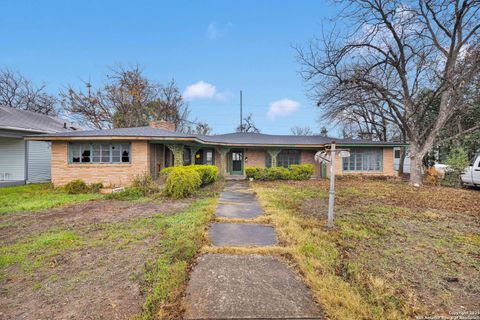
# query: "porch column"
(223, 159)
(273, 156)
(193, 151)
(177, 150)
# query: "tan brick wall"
(255, 158)
(388, 162)
(387, 166)
(109, 174)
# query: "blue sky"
(211, 48)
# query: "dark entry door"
(236, 164)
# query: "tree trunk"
(401, 163)
(403, 154)
(417, 153)
(416, 176)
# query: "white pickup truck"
(471, 176)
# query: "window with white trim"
(364, 159)
(99, 152)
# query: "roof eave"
(371, 144)
(25, 129)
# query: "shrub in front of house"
(166, 171)
(79, 186)
(294, 172)
(208, 173)
(256, 173)
(184, 180)
(277, 173)
(301, 171)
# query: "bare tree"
(324, 131)
(203, 128)
(389, 54)
(301, 131)
(128, 99)
(170, 106)
(248, 125)
(18, 92)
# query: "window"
(75, 151)
(365, 159)
(125, 152)
(208, 155)
(284, 159)
(474, 158)
(115, 153)
(397, 153)
(186, 156)
(204, 156)
(99, 152)
(85, 152)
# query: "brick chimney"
(162, 124)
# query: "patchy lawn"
(103, 259)
(396, 252)
(36, 197)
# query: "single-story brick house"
(114, 156)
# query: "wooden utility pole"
(241, 112)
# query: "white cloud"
(204, 90)
(200, 90)
(215, 31)
(282, 108)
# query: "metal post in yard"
(331, 197)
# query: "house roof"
(229, 139)
(23, 120)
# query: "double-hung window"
(364, 159)
(99, 152)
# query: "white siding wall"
(12, 159)
(39, 158)
(396, 161)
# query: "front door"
(236, 162)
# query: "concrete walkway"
(227, 286)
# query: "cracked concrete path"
(227, 286)
(253, 286)
(239, 210)
(242, 235)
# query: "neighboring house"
(114, 156)
(26, 161)
(396, 160)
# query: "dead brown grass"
(396, 252)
